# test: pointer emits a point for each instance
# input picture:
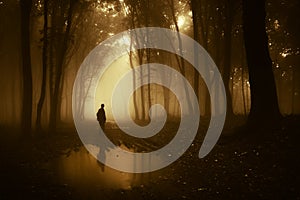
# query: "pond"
(79, 169)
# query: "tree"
(180, 59)
(144, 14)
(229, 8)
(264, 109)
(26, 66)
(44, 68)
(60, 44)
(201, 25)
(196, 18)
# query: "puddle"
(81, 170)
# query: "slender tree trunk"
(197, 39)
(44, 69)
(264, 104)
(180, 59)
(227, 58)
(243, 92)
(133, 82)
(204, 24)
(51, 75)
(140, 54)
(60, 96)
(59, 71)
(26, 66)
(148, 54)
(293, 91)
(131, 58)
(140, 57)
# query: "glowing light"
(105, 7)
(276, 24)
(125, 7)
(181, 21)
(110, 34)
(40, 4)
(284, 54)
(107, 83)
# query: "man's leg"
(102, 125)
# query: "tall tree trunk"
(136, 113)
(293, 92)
(44, 69)
(135, 23)
(140, 57)
(243, 92)
(264, 109)
(148, 53)
(59, 71)
(197, 39)
(60, 95)
(180, 59)
(26, 66)
(227, 57)
(201, 24)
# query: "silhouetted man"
(101, 117)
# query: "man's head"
(102, 105)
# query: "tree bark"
(180, 59)
(26, 66)
(227, 57)
(264, 111)
(59, 71)
(197, 39)
(44, 68)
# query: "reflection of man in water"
(102, 156)
(101, 117)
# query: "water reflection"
(81, 169)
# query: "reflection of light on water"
(95, 150)
(82, 170)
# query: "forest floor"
(258, 165)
